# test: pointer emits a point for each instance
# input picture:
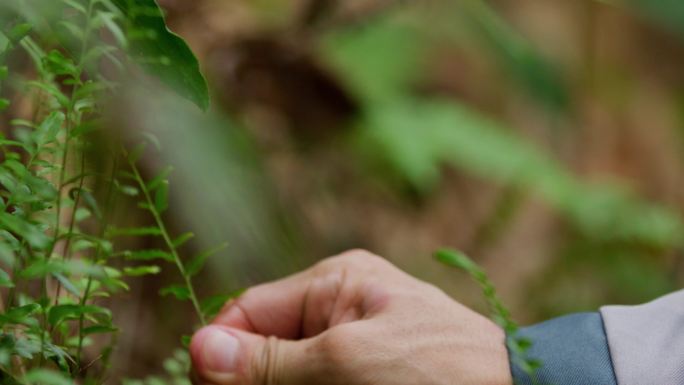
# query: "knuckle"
(355, 259)
(360, 255)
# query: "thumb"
(227, 356)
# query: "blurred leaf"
(19, 315)
(68, 285)
(197, 263)
(212, 305)
(416, 137)
(517, 56)
(147, 255)
(669, 13)
(182, 239)
(158, 180)
(163, 53)
(378, 61)
(383, 59)
(133, 231)
(51, 89)
(137, 152)
(43, 267)
(18, 32)
(588, 273)
(180, 292)
(141, 270)
(47, 131)
(161, 197)
(58, 64)
(31, 232)
(457, 259)
(75, 5)
(99, 329)
(5, 280)
(46, 377)
(60, 313)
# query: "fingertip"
(215, 353)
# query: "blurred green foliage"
(668, 12)
(417, 134)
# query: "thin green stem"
(97, 258)
(517, 346)
(167, 240)
(72, 221)
(81, 324)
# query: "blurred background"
(543, 138)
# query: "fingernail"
(220, 351)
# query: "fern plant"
(60, 249)
(517, 346)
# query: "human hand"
(353, 319)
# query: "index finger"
(336, 290)
(273, 308)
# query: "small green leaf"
(180, 292)
(18, 32)
(51, 89)
(5, 280)
(107, 19)
(457, 259)
(19, 315)
(76, 5)
(197, 263)
(137, 152)
(159, 179)
(182, 239)
(58, 64)
(129, 190)
(145, 206)
(141, 270)
(68, 285)
(211, 306)
(31, 232)
(185, 341)
(147, 255)
(72, 28)
(45, 377)
(161, 197)
(133, 231)
(48, 129)
(4, 72)
(99, 329)
(60, 313)
(152, 139)
(4, 104)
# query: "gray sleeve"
(572, 350)
(646, 342)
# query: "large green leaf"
(161, 52)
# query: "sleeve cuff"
(573, 350)
(646, 341)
